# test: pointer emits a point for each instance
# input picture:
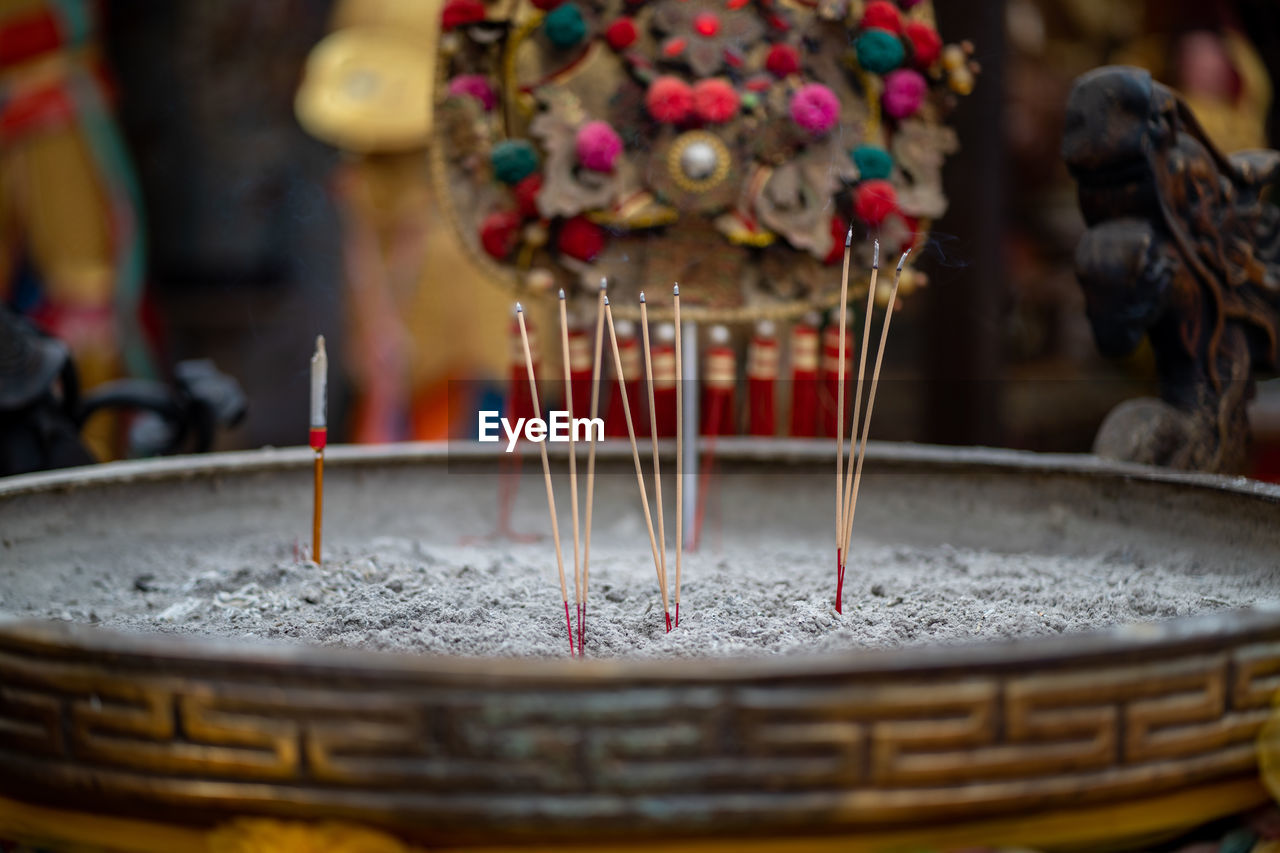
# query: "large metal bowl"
(1077, 740)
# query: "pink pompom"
(904, 92)
(598, 146)
(715, 101)
(669, 100)
(477, 87)
(815, 108)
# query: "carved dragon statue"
(1183, 247)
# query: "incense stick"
(857, 413)
(319, 437)
(675, 298)
(573, 467)
(844, 310)
(871, 401)
(653, 439)
(591, 464)
(546, 473)
(635, 456)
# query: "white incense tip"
(642, 297)
(848, 238)
(875, 256)
(675, 291)
(606, 302)
(319, 384)
(519, 308)
(903, 260)
(562, 293)
(604, 283)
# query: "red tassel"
(580, 366)
(762, 380)
(519, 398)
(804, 378)
(830, 375)
(633, 374)
(721, 382)
(664, 380)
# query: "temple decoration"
(1183, 248)
(726, 144)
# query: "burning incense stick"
(844, 311)
(857, 413)
(675, 299)
(591, 464)
(871, 401)
(635, 456)
(546, 473)
(319, 438)
(573, 466)
(653, 438)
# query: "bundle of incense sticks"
(848, 481)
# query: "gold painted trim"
(698, 185)
(1092, 828)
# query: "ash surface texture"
(504, 599)
(939, 557)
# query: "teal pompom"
(873, 162)
(513, 160)
(564, 26)
(879, 51)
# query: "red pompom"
(875, 200)
(715, 101)
(783, 60)
(883, 15)
(581, 238)
(621, 33)
(526, 193)
(926, 45)
(669, 100)
(839, 228)
(499, 232)
(546, 5)
(459, 13)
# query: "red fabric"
(38, 109)
(28, 36)
(664, 389)
(580, 366)
(926, 45)
(804, 381)
(615, 423)
(830, 376)
(519, 398)
(546, 5)
(839, 230)
(718, 395)
(762, 380)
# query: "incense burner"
(151, 743)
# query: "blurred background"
(244, 232)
